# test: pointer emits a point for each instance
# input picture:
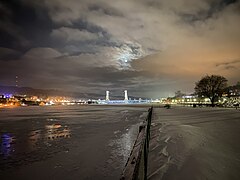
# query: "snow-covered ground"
(195, 143)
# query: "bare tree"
(179, 94)
(211, 87)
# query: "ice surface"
(67, 142)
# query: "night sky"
(152, 48)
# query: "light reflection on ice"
(7, 144)
(55, 131)
(124, 144)
(50, 132)
(34, 137)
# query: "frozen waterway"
(67, 142)
(194, 143)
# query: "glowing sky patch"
(126, 54)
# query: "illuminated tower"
(107, 96)
(125, 96)
(16, 81)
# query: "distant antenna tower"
(16, 81)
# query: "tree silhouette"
(211, 87)
(179, 94)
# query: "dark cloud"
(214, 8)
(103, 8)
(28, 25)
(228, 63)
(9, 54)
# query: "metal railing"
(136, 166)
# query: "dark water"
(67, 142)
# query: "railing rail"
(136, 166)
